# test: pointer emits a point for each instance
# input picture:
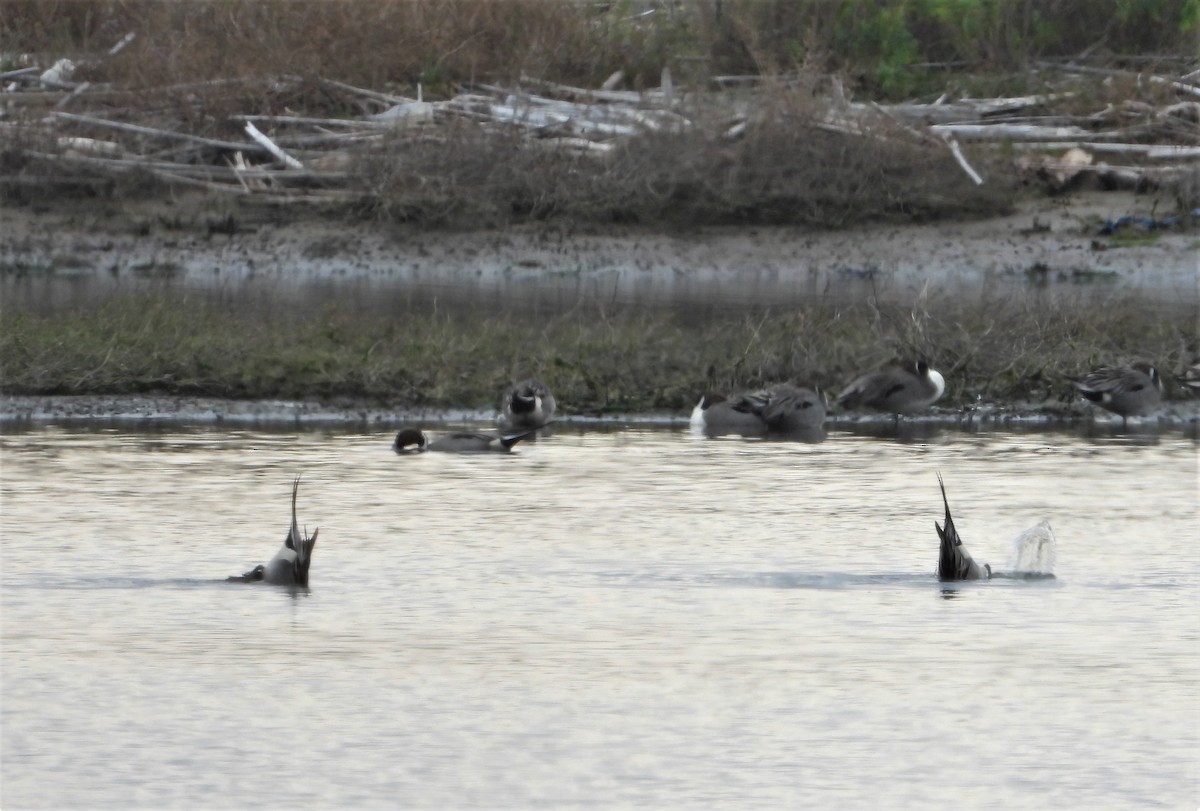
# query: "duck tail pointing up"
(954, 561)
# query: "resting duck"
(897, 388)
(780, 409)
(1127, 391)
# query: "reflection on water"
(619, 617)
(695, 293)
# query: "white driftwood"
(19, 73)
(237, 164)
(1182, 87)
(311, 122)
(151, 131)
(120, 46)
(67, 99)
(409, 112)
(1014, 132)
(210, 172)
(918, 134)
(614, 96)
(386, 98)
(89, 145)
(272, 147)
(956, 151)
(1174, 85)
(1155, 151)
(580, 145)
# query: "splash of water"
(1033, 551)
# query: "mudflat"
(1055, 240)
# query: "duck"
(901, 387)
(528, 404)
(290, 565)
(954, 561)
(782, 408)
(1191, 378)
(1127, 391)
(413, 440)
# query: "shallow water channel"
(606, 617)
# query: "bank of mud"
(154, 413)
(1055, 243)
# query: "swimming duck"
(898, 388)
(529, 404)
(954, 561)
(412, 440)
(290, 565)
(780, 409)
(1127, 391)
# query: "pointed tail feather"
(508, 440)
(294, 537)
(954, 561)
(301, 543)
(303, 562)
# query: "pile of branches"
(54, 130)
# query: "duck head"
(410, 440)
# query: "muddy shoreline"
(132, 411)
(1047, 242)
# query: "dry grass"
(193, 66)
(382, 42)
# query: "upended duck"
(954, 561)
(1033, 553)
(290, 565)
(414, 440)
(779, 409)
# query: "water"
(605, 618)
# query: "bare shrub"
(786, 169)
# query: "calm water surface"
(604, 618)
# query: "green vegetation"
(597, 359)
